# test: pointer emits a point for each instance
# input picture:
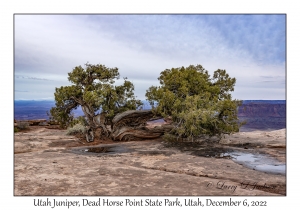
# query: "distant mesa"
(262, 110)
(34, 122)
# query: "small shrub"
(78, 128)
(79, 120)
(16, 130)
(82, 120)
(22, 125)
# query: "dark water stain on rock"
(215, 152)
(101, 150)
(156, 152)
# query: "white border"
(8, 8)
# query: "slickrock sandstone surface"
(49, 162)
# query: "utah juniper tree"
(93, 89)
(197, 103)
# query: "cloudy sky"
(250, 47)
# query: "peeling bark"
(131, 125)
(132, 118)
(139, 133)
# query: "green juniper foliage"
(93, 89)
(197, 103)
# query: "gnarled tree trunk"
(94, 121)
(131, 125)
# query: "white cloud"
(141, 47)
